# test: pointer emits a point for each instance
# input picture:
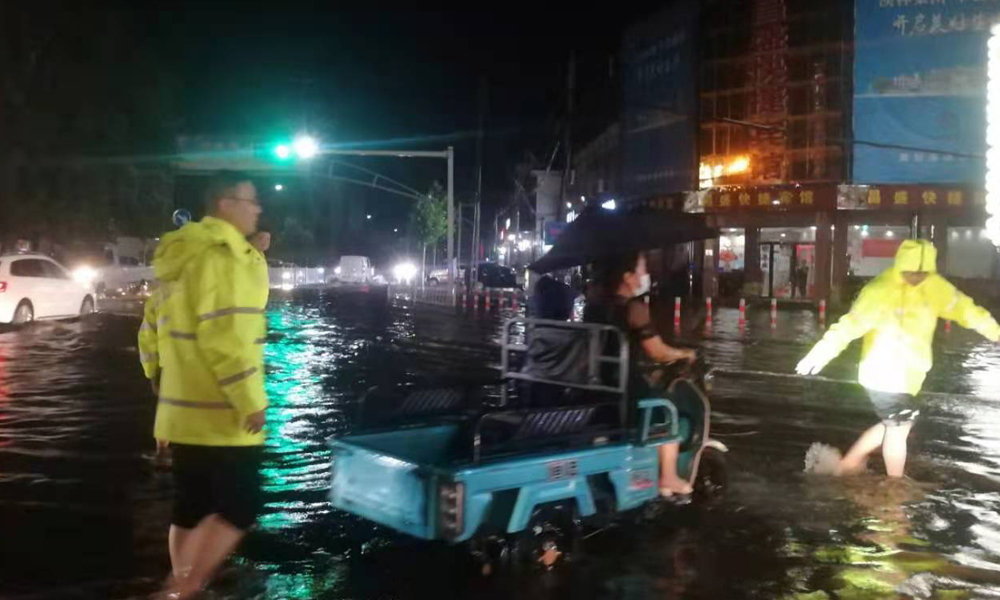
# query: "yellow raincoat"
(203, 335)
(898, 322)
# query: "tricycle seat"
(517, 431)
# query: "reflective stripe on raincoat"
(898, 320)
(209, 330)
(149, 350)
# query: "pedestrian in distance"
(209, 377)
(897, 313)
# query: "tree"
(429, 220)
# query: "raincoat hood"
(178, 247)
(916, 255)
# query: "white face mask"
(644, 284)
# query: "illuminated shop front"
(807, 243)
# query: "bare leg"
(176, 540)
(208, 545)
(869, 441)
(894, 449)
(670, 483)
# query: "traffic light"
(282, 151)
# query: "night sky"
(388, 74)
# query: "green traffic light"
(282, 151)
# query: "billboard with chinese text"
(660, 102)
(920, 90)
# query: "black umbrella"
(602, 234)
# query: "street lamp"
(305, 147)
(278, 187)
(369, 217)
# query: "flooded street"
(84, 509)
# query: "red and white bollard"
(822, 311)
(708, 310)
(677, 311)
(475, 300)
(743, 311)
(947, 326)
(463, 298)
(488, 295)
(774, 312)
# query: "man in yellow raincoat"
(201, 344)
(897, 314)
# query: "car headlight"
(405, 271)
(84, 274)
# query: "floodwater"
(84, 510)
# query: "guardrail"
(488, 299)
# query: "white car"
(33, 286)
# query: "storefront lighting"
(524, 245)
(569, 205)
(813, 228)
(609, 205)
(864, 233)
(739, 165)
(782, 235)
(571, 216)
(993, 136)
(857, 227)
(889, 234)
(511, 237)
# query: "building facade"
(815, 154)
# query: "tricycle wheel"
(549, 542)
(713, 477)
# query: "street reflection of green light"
(306, 581)
(294, 463)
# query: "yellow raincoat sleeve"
(865, 314)
(966, 313)
(226, 334)
(149, 354)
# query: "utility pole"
(451, 213)
(568, 130)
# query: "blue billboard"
(920, 88)
(660, 103)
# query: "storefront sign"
(919, 85)
(775, 198)
(908, 197)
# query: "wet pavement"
(84, 509)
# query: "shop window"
(872, 248)
(732, 250)
(970, 254)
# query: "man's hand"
(256, 421)
(809, 365)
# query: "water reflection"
(75, 490)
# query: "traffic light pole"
(449, 155)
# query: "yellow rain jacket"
(203, 334)
(898, 322)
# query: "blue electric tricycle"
(518, 484)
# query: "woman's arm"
(658, 350)
(652, 344)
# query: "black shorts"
(893, 408)
(223, 480)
